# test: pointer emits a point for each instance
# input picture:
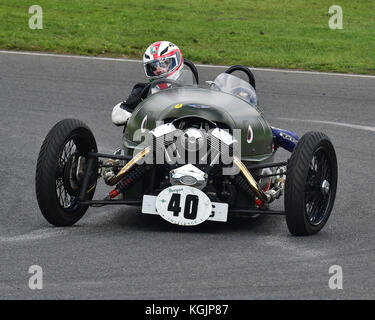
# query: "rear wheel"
(61, 166)
(311, 184)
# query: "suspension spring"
(126, 182)
(243, 184)
(133, 176)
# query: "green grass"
(262, 33)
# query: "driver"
(162, 59)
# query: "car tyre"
(56, 183)
(311, 183)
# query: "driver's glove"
(119, 115)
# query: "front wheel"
(311, 183)
(61, 166)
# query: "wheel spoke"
(320, 166)
(316, 201)
(64, 198)
(309, 194)
(325, 168)
(315, 210)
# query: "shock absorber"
(128, 180)
(272, 194)
(243, 184)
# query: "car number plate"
(184, 205)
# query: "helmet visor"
(161, 67)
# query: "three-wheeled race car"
(191, 153)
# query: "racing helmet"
(163, 59)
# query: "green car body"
(224, 109)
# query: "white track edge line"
(198, 65)
(340, 124)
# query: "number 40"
(190, 209)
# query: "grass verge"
(260, 33)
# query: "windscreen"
(231, 84)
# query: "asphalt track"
(118, 253)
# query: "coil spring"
(133, 176)
(240, 181)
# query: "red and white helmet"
(163, 59)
